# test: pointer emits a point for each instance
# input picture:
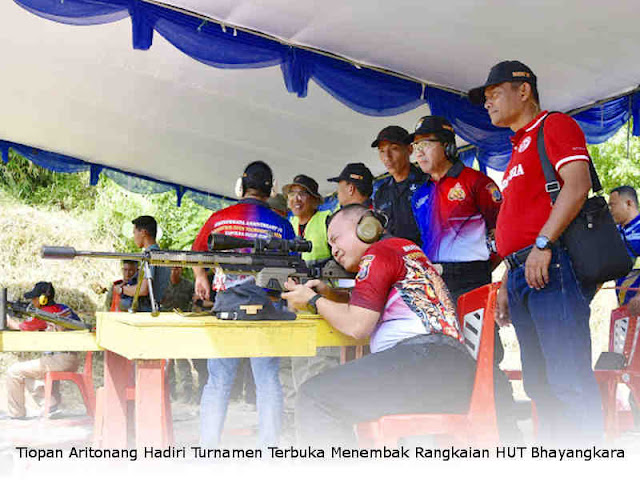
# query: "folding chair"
(476, 426)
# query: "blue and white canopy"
(189, 92)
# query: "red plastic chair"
(478, 425)
(83, 380)
(624, 330)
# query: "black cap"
(41, 288)
(393, 134)
(308, 183)
(257, 175)
(507, 71)
(434, 124)
(356, 173)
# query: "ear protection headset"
(451, 151)
(371, 226)
(44, 298)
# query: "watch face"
(542, 242)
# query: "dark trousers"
(552, 326)
(425, 374)
(461, 278)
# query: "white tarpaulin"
(83, 91)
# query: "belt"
(518, 258)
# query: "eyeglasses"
(424, 144)
(298, 193)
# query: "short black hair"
(534, 89)
(352, 208)
(627, 191)
(148, 223)
(364, 189)
(130, 262)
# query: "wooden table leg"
(153, 416)
(116, 377)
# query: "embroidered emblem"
(365, 263)
(524, 144)
(495, 193)
(457, 193)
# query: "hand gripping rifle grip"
(63, 253)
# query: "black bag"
(596, 248)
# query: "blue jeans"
(215, 398)
(552, 326)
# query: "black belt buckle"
(518, 258)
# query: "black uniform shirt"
(394, 199)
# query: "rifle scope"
(218, 241)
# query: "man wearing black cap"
(308, 222)
(394, 194)
(355, 185)
(24, 374)
(540, 293)
(250, 218)
(456, 208)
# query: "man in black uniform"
(394, 194)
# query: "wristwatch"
(312, 303)
(543, 243)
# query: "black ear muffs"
(371, 226)
(451, 151)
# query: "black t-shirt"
(394, 199)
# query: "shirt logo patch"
(457, 193)
(524, 144)
(365, 263)
(514, 172)
(495, 193)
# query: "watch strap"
(312, 303)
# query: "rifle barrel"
(68, 253)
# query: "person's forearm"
(13, 324)
(339, 295)
(199, 272)
(341, 316)
(130, 290)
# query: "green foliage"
(617, 165)
(108, 208)
(34, 185)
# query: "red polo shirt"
(527, 205)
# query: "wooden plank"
(74, 341)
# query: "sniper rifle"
(270, 260)
(23, 309)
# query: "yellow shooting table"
(139, 337)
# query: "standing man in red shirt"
(540, 293)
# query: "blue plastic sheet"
(362, 89)
(77, 12)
